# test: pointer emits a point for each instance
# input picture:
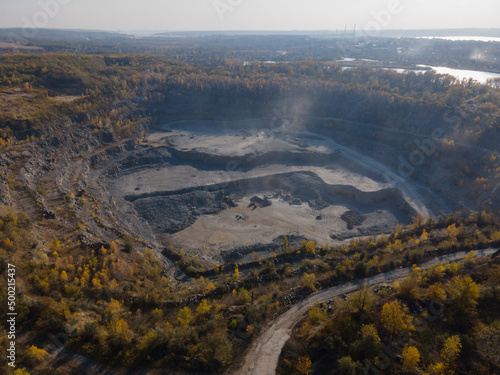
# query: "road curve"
(263, 355)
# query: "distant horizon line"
(244, 30)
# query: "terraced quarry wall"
(214, 196)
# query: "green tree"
(243, 296)
(488, 342)
(368, 330)
(316, 314)
(469, 258)
(346, 366)
(361, 300)
(408, 287)
(368, 346)
(308, 280)
(147, 342)
(360, 269)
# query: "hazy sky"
(249, 14)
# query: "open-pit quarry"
(224, 191)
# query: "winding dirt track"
(262, 357)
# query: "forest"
(400, 110)
(438, 321)
(212, 49)
(112, 303)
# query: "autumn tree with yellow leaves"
(304, 365)
(395, 318)
(411, 359)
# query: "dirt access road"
(398, 181)
(262, 357)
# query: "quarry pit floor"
(224, 193)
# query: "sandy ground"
(235, 142)
(177, 177)
(227, 230)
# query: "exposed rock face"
(303, 187)
(212, 194)
(58, 176)
(261, 202)
(353, 219)
(174, 213)
(5, 197)
(237, 254)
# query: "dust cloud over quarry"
(223, 191)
